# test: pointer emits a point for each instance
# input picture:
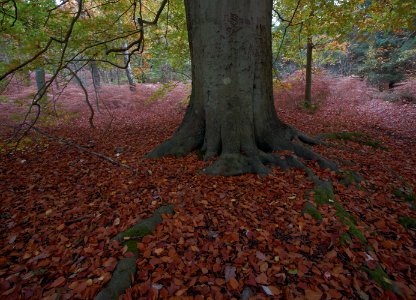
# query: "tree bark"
(96, 79)
(129, 72)
(231, 112)
(308, 85)
(96, 82)
(40, 78)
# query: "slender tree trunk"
(41, 83)
(129, 73)
(96, 82)
(231, 112)
(308, 86)
(96, 79)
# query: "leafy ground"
(269, 237)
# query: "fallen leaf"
(58, 282)
(233, 283)
(313, 294)
(262, 279)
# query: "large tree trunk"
(308, 86)
(231, 112)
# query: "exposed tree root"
(236, 164)
(126, 267)
(188, 139)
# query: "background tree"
(305, 26)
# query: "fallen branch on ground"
(85, 149)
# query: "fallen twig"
(85, 149)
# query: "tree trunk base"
(233, 164)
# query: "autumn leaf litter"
(230, 236)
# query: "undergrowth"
(161, 92)
(291, 91)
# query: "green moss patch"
(161, 92)
(407, 222)
(311, 209)
(350, 177)
(381, 278)
(323, 194)
(356, 137)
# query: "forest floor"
(268, 237)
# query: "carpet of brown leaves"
(60, 208)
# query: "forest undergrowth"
(230, 237)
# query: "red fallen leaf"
(8, 292)
(334, 294)
(203, 279)
(349, 253)
(263, 266)
(177, 281)
(141, 246)
(144, 288)
(115, 244)
(4, 284)
(260, 255)
(313, 295)
(233, 283)
(262, 279)
(105, 277)
(167, 259)
(181, 292)
(216, 267)
(388, 244)
(159, 251)
(3, 260)
(58, 282)
(60, 227)
(251, 280)
(129, 254)
(331, 255)
(110, 264)
(78, 286)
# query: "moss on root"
(356, 137)
(382, 279)
(323, 194)
(406, 194)
(407, 222)
(350, 177)
(311, 209)
(126, 267)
